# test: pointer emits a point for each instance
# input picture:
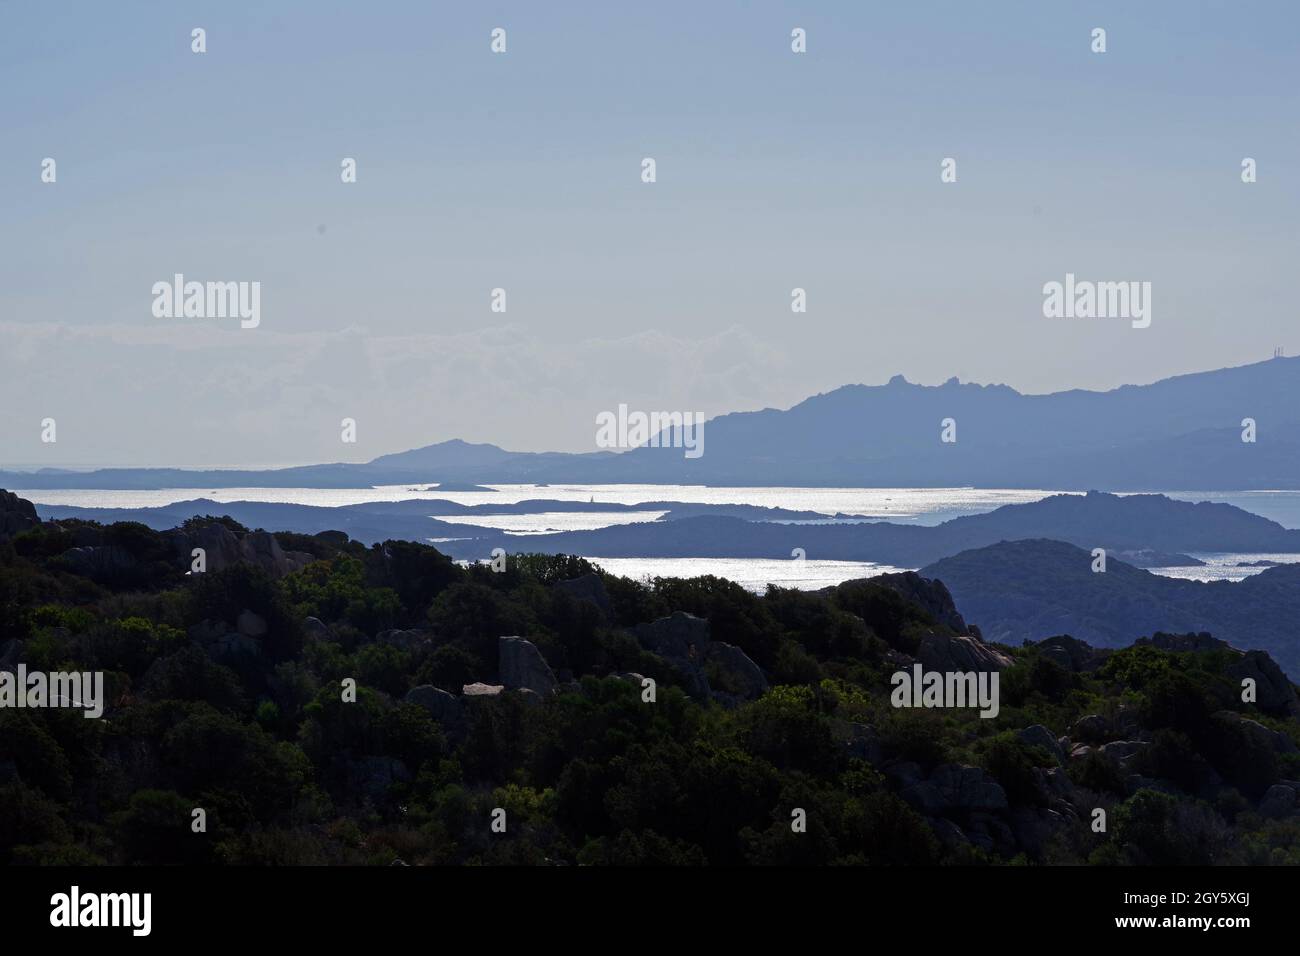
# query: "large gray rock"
(1091, 728)
(480, 690)
(990, 832)
(590, 588)
(528, 696)
(678, 635)
(949, 653)
(736, 672)
(222, 548)
(16, 515)
(925, 797)
(442, 706)
(314, 627)
(1274, 694)
(949, 833)
(1055, 782)
(261, 548)
(219, 544)
(1037, 735)
(692, 678)
(929, 593)
(956, 788)
(403, 640)
(683, 640)
(1122, 751)
(1279, 801)
(1072, 653)
(103, 563)
(1035, 827)
(969, 788)
(297, 560)
(904, 773)
(1278, 741)
(522, 666)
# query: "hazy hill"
(1179, 433)
(1029, 590)
(1152, 523)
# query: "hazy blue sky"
(522, 171)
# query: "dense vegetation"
(255, 730)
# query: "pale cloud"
(196, 394)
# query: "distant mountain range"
(1181, 433)
(1028, 590)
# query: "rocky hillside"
(327, 702)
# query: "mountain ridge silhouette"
(1180, 433)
